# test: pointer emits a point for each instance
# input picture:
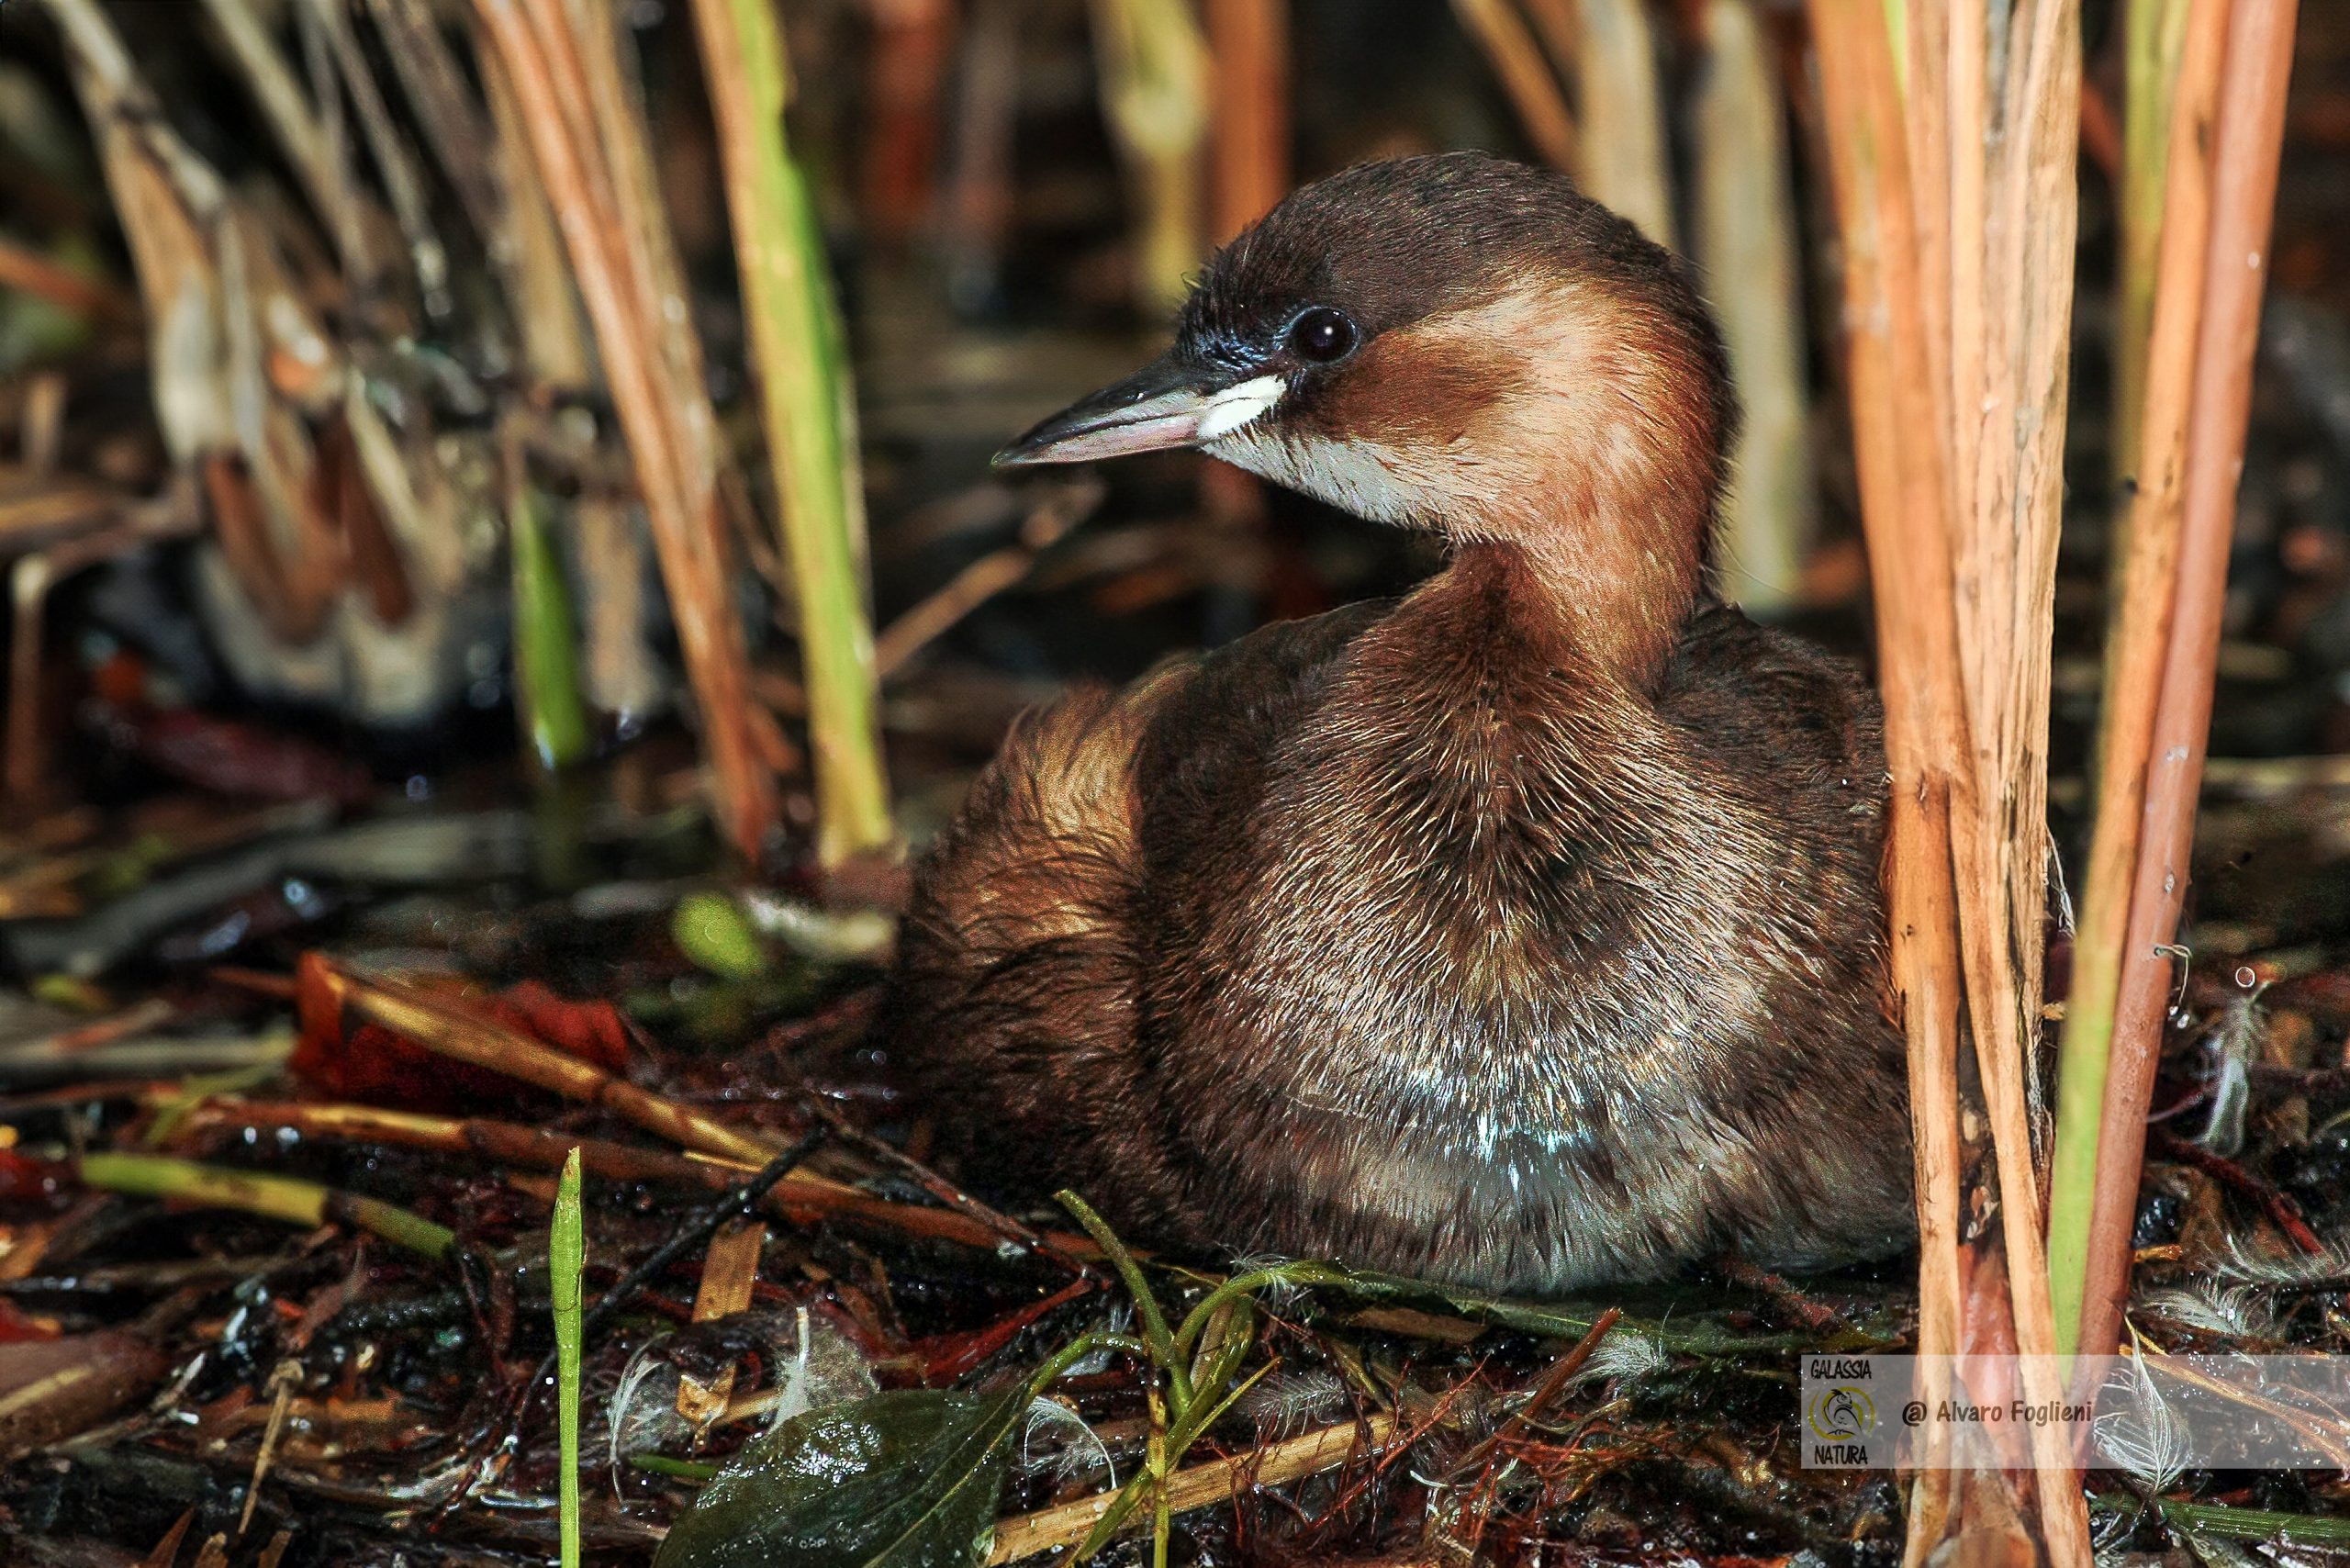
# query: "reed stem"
(810, 417)
(2247, 143)
(2147, 592)
(272, 1197)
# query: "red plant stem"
(2248, 140)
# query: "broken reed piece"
(1195, 1486)
(2247, 145)
(285, 1198)
(803, 1198)
(462, 1035)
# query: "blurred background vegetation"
(304, 421)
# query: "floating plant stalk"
(809, 412)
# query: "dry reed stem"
(528, 244)
(1903, 496)
(1248, 136)
(1955, 194)
(445, 110)
(1154, 67)
(1533, 92)
(2247, 144)
(534, 43)
(2142, 614)
(1620, 149)
(2015, 255)
(300, 137)
(463, 1036)
(1745, 235)
(2154, 52)
(1195, 1486)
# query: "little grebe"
(1523, 932)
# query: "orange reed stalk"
(2247, 144)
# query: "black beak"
(1157, 409)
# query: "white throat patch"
(1234, 407)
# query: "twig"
(990, 574)
(25, 270)
(1064, 1251)
(2280, 1209)
(739, 1200)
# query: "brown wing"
(1037, 920)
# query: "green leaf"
(906, 1479)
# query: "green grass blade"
(546, 639)
(567, 1259)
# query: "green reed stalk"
(810, 414)
(567, 1261)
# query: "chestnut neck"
(1595, 449)
(1618, 577)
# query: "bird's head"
(1455, 342)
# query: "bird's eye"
(1322, 334)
